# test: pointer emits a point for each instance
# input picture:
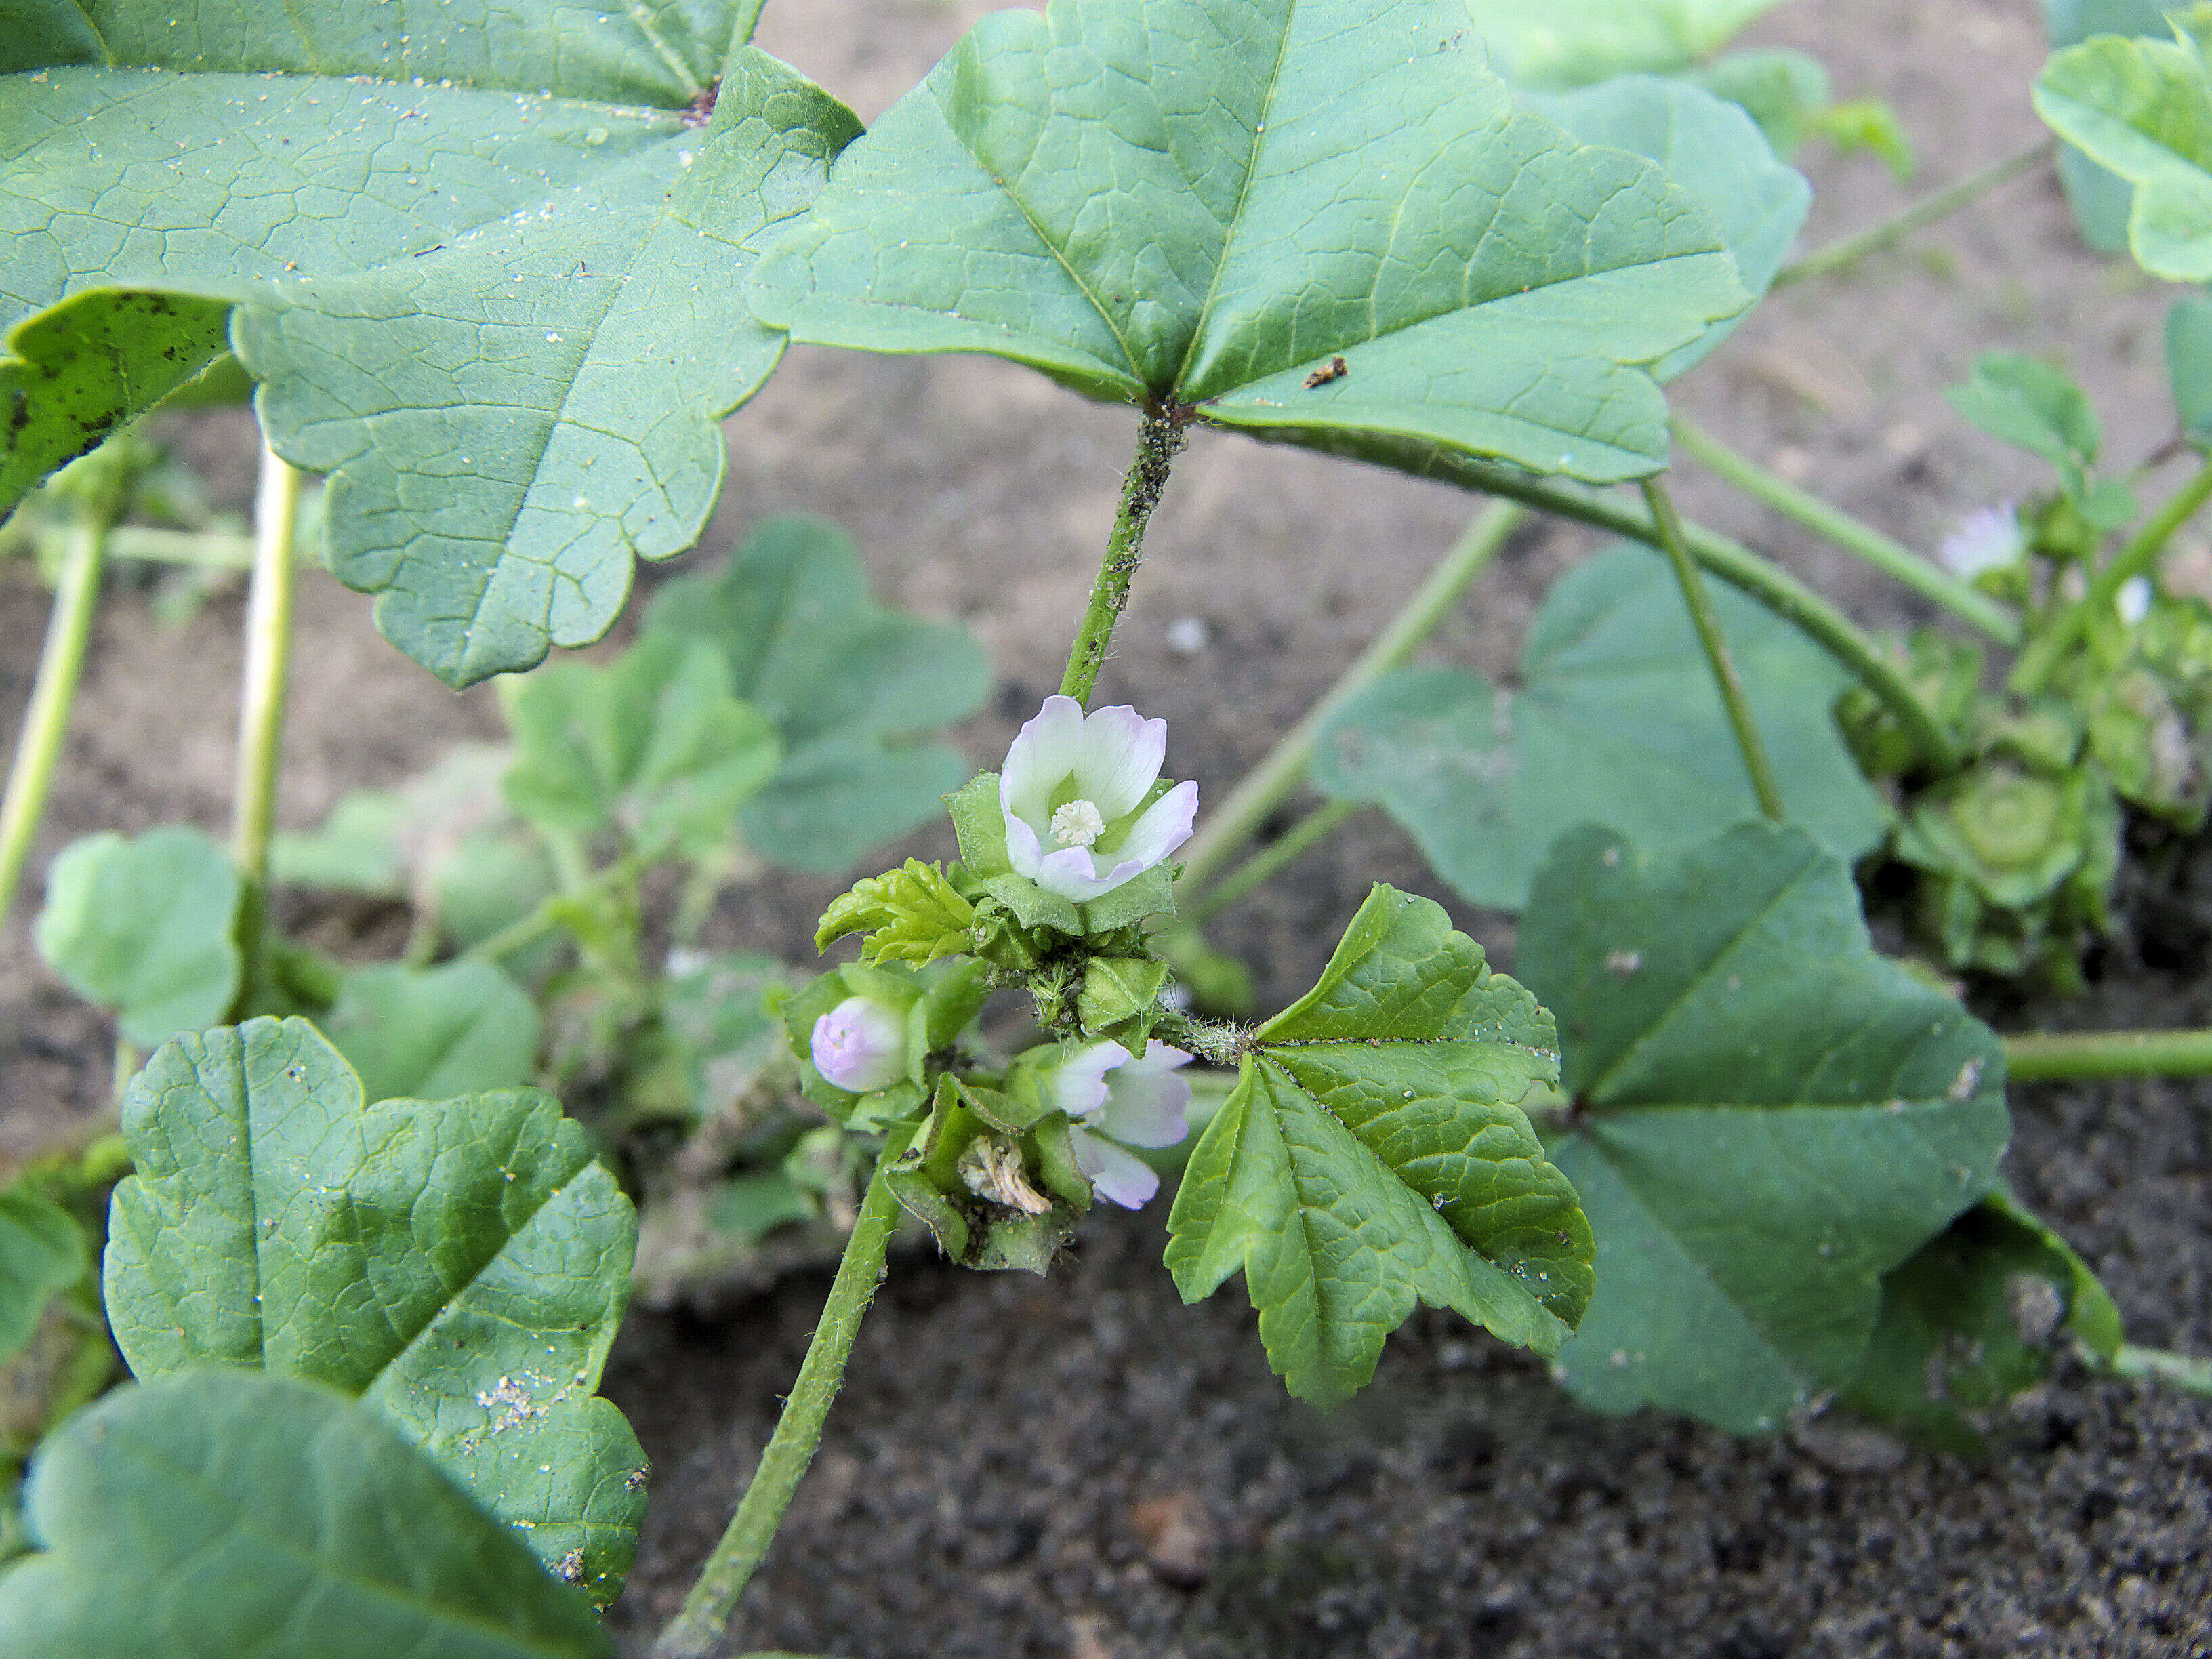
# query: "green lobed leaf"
(145, 928)
(1957, 1335)
(1615, 720)
(2101, 200)
(2189, 365)
(1183, 202)
(1715, 151)
(651, 745)
(42, 1250)
(845, 681)
(460, 1266)
(2142, 108)
(211, 1515)
(1769, 1116)
(1571, 43)
(484, 255)
(432, 1033)
(2022, 401)
(76, 371)
(1373, 1154)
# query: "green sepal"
(934, 1178)
(954, 995)
(1148, 893)
(1120, 999)
(980, 823)
(1032, 905)
(913, 914)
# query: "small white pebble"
(1189, 635)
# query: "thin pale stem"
(1848, 251)
(1159, 441)
(1276, 778)
(45, 721)
(698, 1626)
(546, 915)
(2188, 1373)
(2138, 558)
(1287, 849)
(1741, 569)
(261, 708)
(1708, 624)
(2047, 1057)
(1969, 604)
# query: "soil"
(1082, 1467)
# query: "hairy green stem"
(2047, 1057)
(2187, 1372)
(46, 719)
(1738, 566)
(1708, 624)
(1159, 441)
(1287, 849)
(698, 1626)
(2138, 558)
(1969, 604)
(1840, 255)
(1276, 778)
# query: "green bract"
(1373, 1154)
(145, 928)
(459, 1266)
(845, 681)
(1183, 202)
(2143, 107)
(211, 1515)
(484, 255)
(1769, 1117)
(1615, 721)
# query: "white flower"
(860, 1046)
(2133, 600)
(1142, 1105)
(1988, 540)
(1071, 790)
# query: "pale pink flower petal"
(1164, 826)
(1044, 751)
(1023, 851)
(1145, 1102)
(1120, 759)
(1072, 873)
(1121, 1177)
(860, 1046)
(1078, 1082)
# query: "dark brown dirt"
(1084, 1468)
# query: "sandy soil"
(1084, 1468)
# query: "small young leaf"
(432, 1033)
(460, 1266)
(1770, 1117)
(1615, 721)
(1712, 149)
(910, 914)
(42, 1250)
(1373, 1154)
(653, 744)
(1571, 43)
(2032, 404)
(2143, 107)
(1173, 201)
(215, 1514)
(844, 680)
(145, 928)
(2189, 365)
(76, 371)
(1957, 1334)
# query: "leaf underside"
(1772, 1117)
(460, 1266)
(1208, 202)
(1373, 1154)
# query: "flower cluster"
(1113, 1103)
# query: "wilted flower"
(1108, 1099)
(1070, 792)
(860, 1046)
(1988, 540)
(2133, 599)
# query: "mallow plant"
(364, 1234)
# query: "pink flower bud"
(860, 1046)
